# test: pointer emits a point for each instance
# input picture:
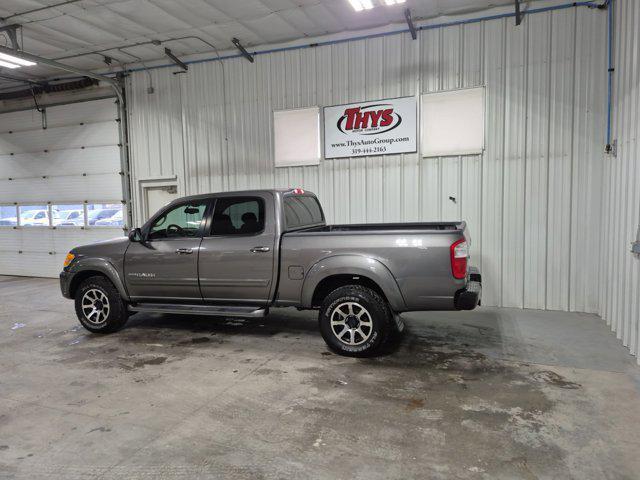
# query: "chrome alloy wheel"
(95, 306)
(351, 323)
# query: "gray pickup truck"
(239, 253)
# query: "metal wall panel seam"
(571, 149)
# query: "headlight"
(68, 259)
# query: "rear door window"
(238, 216)
(302, 211)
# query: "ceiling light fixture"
(15, 61)
(359, 5)
(394, 2)
(8, 65)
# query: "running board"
(213, 310)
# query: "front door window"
(183, 221)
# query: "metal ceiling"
(66, 30)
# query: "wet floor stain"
(200, 340)
(99, 429)
(415, 403)
(552, 378)
(149, 361)
(454, 394)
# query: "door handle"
(184, 251)
(260, 249)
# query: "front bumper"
(469, 297)
(65, 284)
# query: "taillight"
(459, 255)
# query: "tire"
(98, 293)
(355, 321)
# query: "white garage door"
(60, 186)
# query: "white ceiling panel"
(244, 10)
(114, 21)
(149, 15)
(303, 21)
(273, 28)
(77, 28)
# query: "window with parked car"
(62, 215)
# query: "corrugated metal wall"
(532, 200)
(620, 288)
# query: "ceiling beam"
(243, 51)
(175, 59)
(412, 27)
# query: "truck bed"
(417, 255)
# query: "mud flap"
(399, 322)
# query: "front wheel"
(99, 306)
(355, 321)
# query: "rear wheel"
(99, 306)
(355, 320)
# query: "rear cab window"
(302, 211)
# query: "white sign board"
(296, 137)
(380, 127)
(453, 122)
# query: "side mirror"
(135, 235)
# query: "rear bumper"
(469, 297)
(65, 284)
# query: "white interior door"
(158, 197)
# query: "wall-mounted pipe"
(610, 69)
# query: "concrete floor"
(493, 393)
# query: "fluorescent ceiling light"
(8, 65)
(15, 61)
(359, 5)
(394, 2)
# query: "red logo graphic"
(369, 120)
